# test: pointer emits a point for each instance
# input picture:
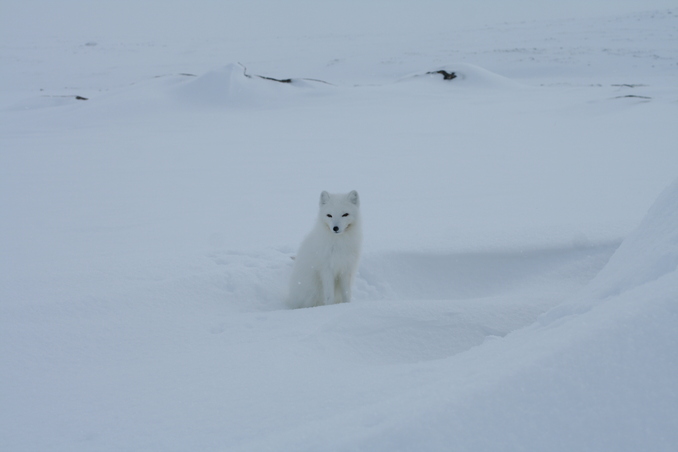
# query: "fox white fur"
(327, 260)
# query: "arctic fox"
(328, 257)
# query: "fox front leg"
(327, 281)
(344, 287)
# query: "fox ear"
(324, 198)
(353, 197)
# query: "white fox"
(328, 257)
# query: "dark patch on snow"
(629, 85)
(284, 80)
(633, 96)
(315, 80)
(74, 97)
(280, 80)
(446, 75)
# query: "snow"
(518, 284)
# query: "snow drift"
(233, 86)
(230, 86)
(600, 378)
(468, 76)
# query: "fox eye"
(345, 215)
(329, 216)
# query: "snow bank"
(587, 380)
(648, 255)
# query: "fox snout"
(335, 229)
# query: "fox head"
(339, 211)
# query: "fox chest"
(337, 260)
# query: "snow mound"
(647, 255)
(467, 75)
(232, 86)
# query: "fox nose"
(335, 229)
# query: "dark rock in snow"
(446, 75)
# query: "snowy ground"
(514, 292)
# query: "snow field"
(510, 297)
